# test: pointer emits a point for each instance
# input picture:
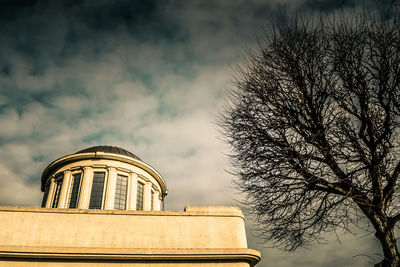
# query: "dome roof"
(75, 157)
(109, 149)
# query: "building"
(102, 177)
(104, 206)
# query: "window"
(45, 195)
(139, 198)
(57, 192)
(96, 197)
(73, 193)
(152, 200)
(120, 192)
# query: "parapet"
(198, 235)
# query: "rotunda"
(102, 177)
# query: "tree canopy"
(314, 127)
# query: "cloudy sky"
(148, 76)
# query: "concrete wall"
(214, 236)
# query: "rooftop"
(109, 149)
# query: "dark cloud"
(38, 28)
(327, 5)
(142, 19)
(36, 36)
(143, 75)
(384, 7)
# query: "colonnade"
(151, 195)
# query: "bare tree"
(314, 127)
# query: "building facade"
(104, 206)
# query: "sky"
(150, 77)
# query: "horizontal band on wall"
(132, 254)
(211, 211)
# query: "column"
(133, 178)
(62, 202)
(51, 193)
(156, 201)
(110, 189)
(86, 187)
(147, 196)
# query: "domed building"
(102, 206)
(102, 177)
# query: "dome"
(102, 177)
(109, 149)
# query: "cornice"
(132, 254)
(102, 155)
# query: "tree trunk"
(390, 252)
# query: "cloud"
(13, 191)
(357, 249)
(146, 76)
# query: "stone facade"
(198, 236)
(102, 206)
